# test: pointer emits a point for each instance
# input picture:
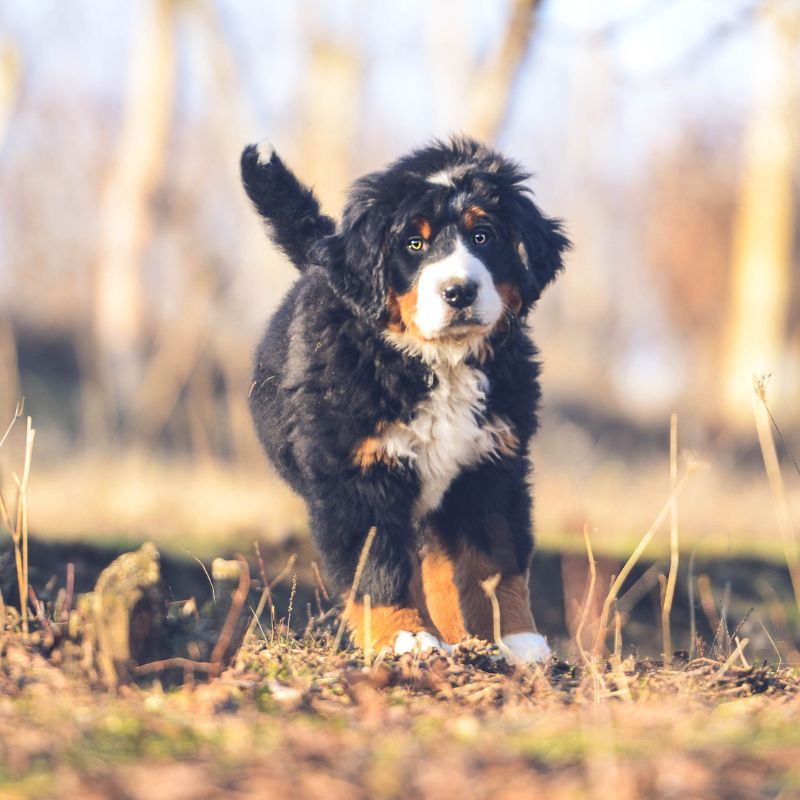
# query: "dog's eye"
(415, 244)
(481, 237)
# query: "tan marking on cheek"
(441, 595)
(472, 216)
(402, 313)
(511, 297)
(385, 623)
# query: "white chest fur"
(448, 432)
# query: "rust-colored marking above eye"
(424, 228)
(472, 216)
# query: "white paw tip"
(527, 647)
(265, 151)
(418, 643)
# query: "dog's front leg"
(398, 619)
(483, 530)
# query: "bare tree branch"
(495, 81)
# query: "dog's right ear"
(356, 257)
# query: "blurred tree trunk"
(126, 224)
(9, 84)
(332, 93)
(10, 74)
(230, 127)
(494, 81)
(754, 335)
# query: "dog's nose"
(460, 294)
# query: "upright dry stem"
(629, 565)
(776, 485)
(20, 532)
(17, 415)
(489, 587)
(589, 597)
(351, 597)
(672, 578)
(367, 630)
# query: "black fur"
(326, 378)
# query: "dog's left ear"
(540, 244)
(356, 257)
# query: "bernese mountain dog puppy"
(396, 386)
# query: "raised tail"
(290, 208)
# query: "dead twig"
(367, 630)
(775, 477)
(19, 534)
(629, 565)
(211, 668)
(208, 577)
(38, 611)
(266, 592)
(489, 586)
(17, 414)
(588, 661)
(731, 658)
(351, 597)
(70, 590)
(238, 600)
(672, 577)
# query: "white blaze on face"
(433, 313)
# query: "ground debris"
(125, 630)
(212, 709)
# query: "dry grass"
(777, 486)
(19, 529)
(210, 506)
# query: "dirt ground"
(290, 718)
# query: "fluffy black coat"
(326, 377)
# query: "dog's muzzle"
(454, 292)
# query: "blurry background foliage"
(135, 279)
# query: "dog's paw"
(525, 648)
(419, 643)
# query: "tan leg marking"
(441, 595)
(386, 622)
(454, 596)
(512, 596)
